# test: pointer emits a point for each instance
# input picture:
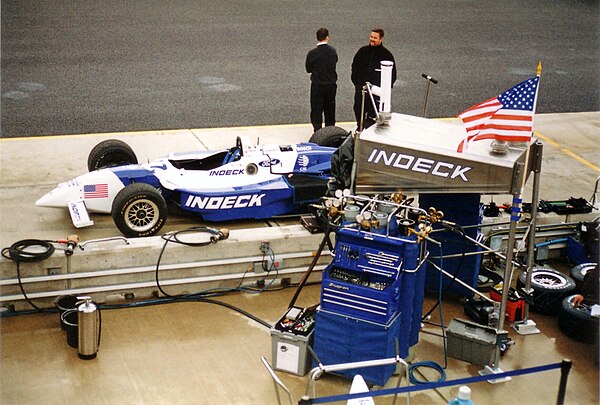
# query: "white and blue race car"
(242, 182)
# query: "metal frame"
(522, 164)
(316, 372)
(277, 382)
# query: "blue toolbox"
(365, 278)
(342, 339)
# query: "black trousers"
(322, 103)
(369, 113)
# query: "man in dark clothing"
(366, 67)
(320, 63)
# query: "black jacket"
(320, 63)
(341, 166)
(367, 59)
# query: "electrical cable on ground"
(428, 364)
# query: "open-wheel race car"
(242, 182)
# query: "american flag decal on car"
(95, 191)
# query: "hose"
(18, 250)
(429, 364)
(21, 252)
(461, 232)
(216, 235)
(324, 241)
(187, 298)
(28, 250)
(173, 237)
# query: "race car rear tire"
(139, 210)
(329, 136)
(577, 322)
(110, 153)
(549, 288)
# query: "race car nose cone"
(57, 198)
(49, 200)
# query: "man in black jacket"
(366, 67)
(320, 63)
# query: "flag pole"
(527, 326)
(528, 151)
(514, 218)
(538, 74)
(518, 200)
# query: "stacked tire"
(579, 271)
(577, 321)
(549, 287)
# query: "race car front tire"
(329, 136)
(139, 210)
(111, 153)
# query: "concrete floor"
(199, 353)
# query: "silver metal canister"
(88, 319)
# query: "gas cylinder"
(381, 219)
(88, 320)
(350, 213)
(392, 221)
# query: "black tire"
(110, 153)
(487, 279)
(578, 272)
(549, 288)
(577, 322)
(139, 210)
(329, 136)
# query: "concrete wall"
(108, 270)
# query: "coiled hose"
(28, 251)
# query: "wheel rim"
(142, 215)
(549, 280)
(583, 308)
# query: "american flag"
(95, 191)
(508, 117)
